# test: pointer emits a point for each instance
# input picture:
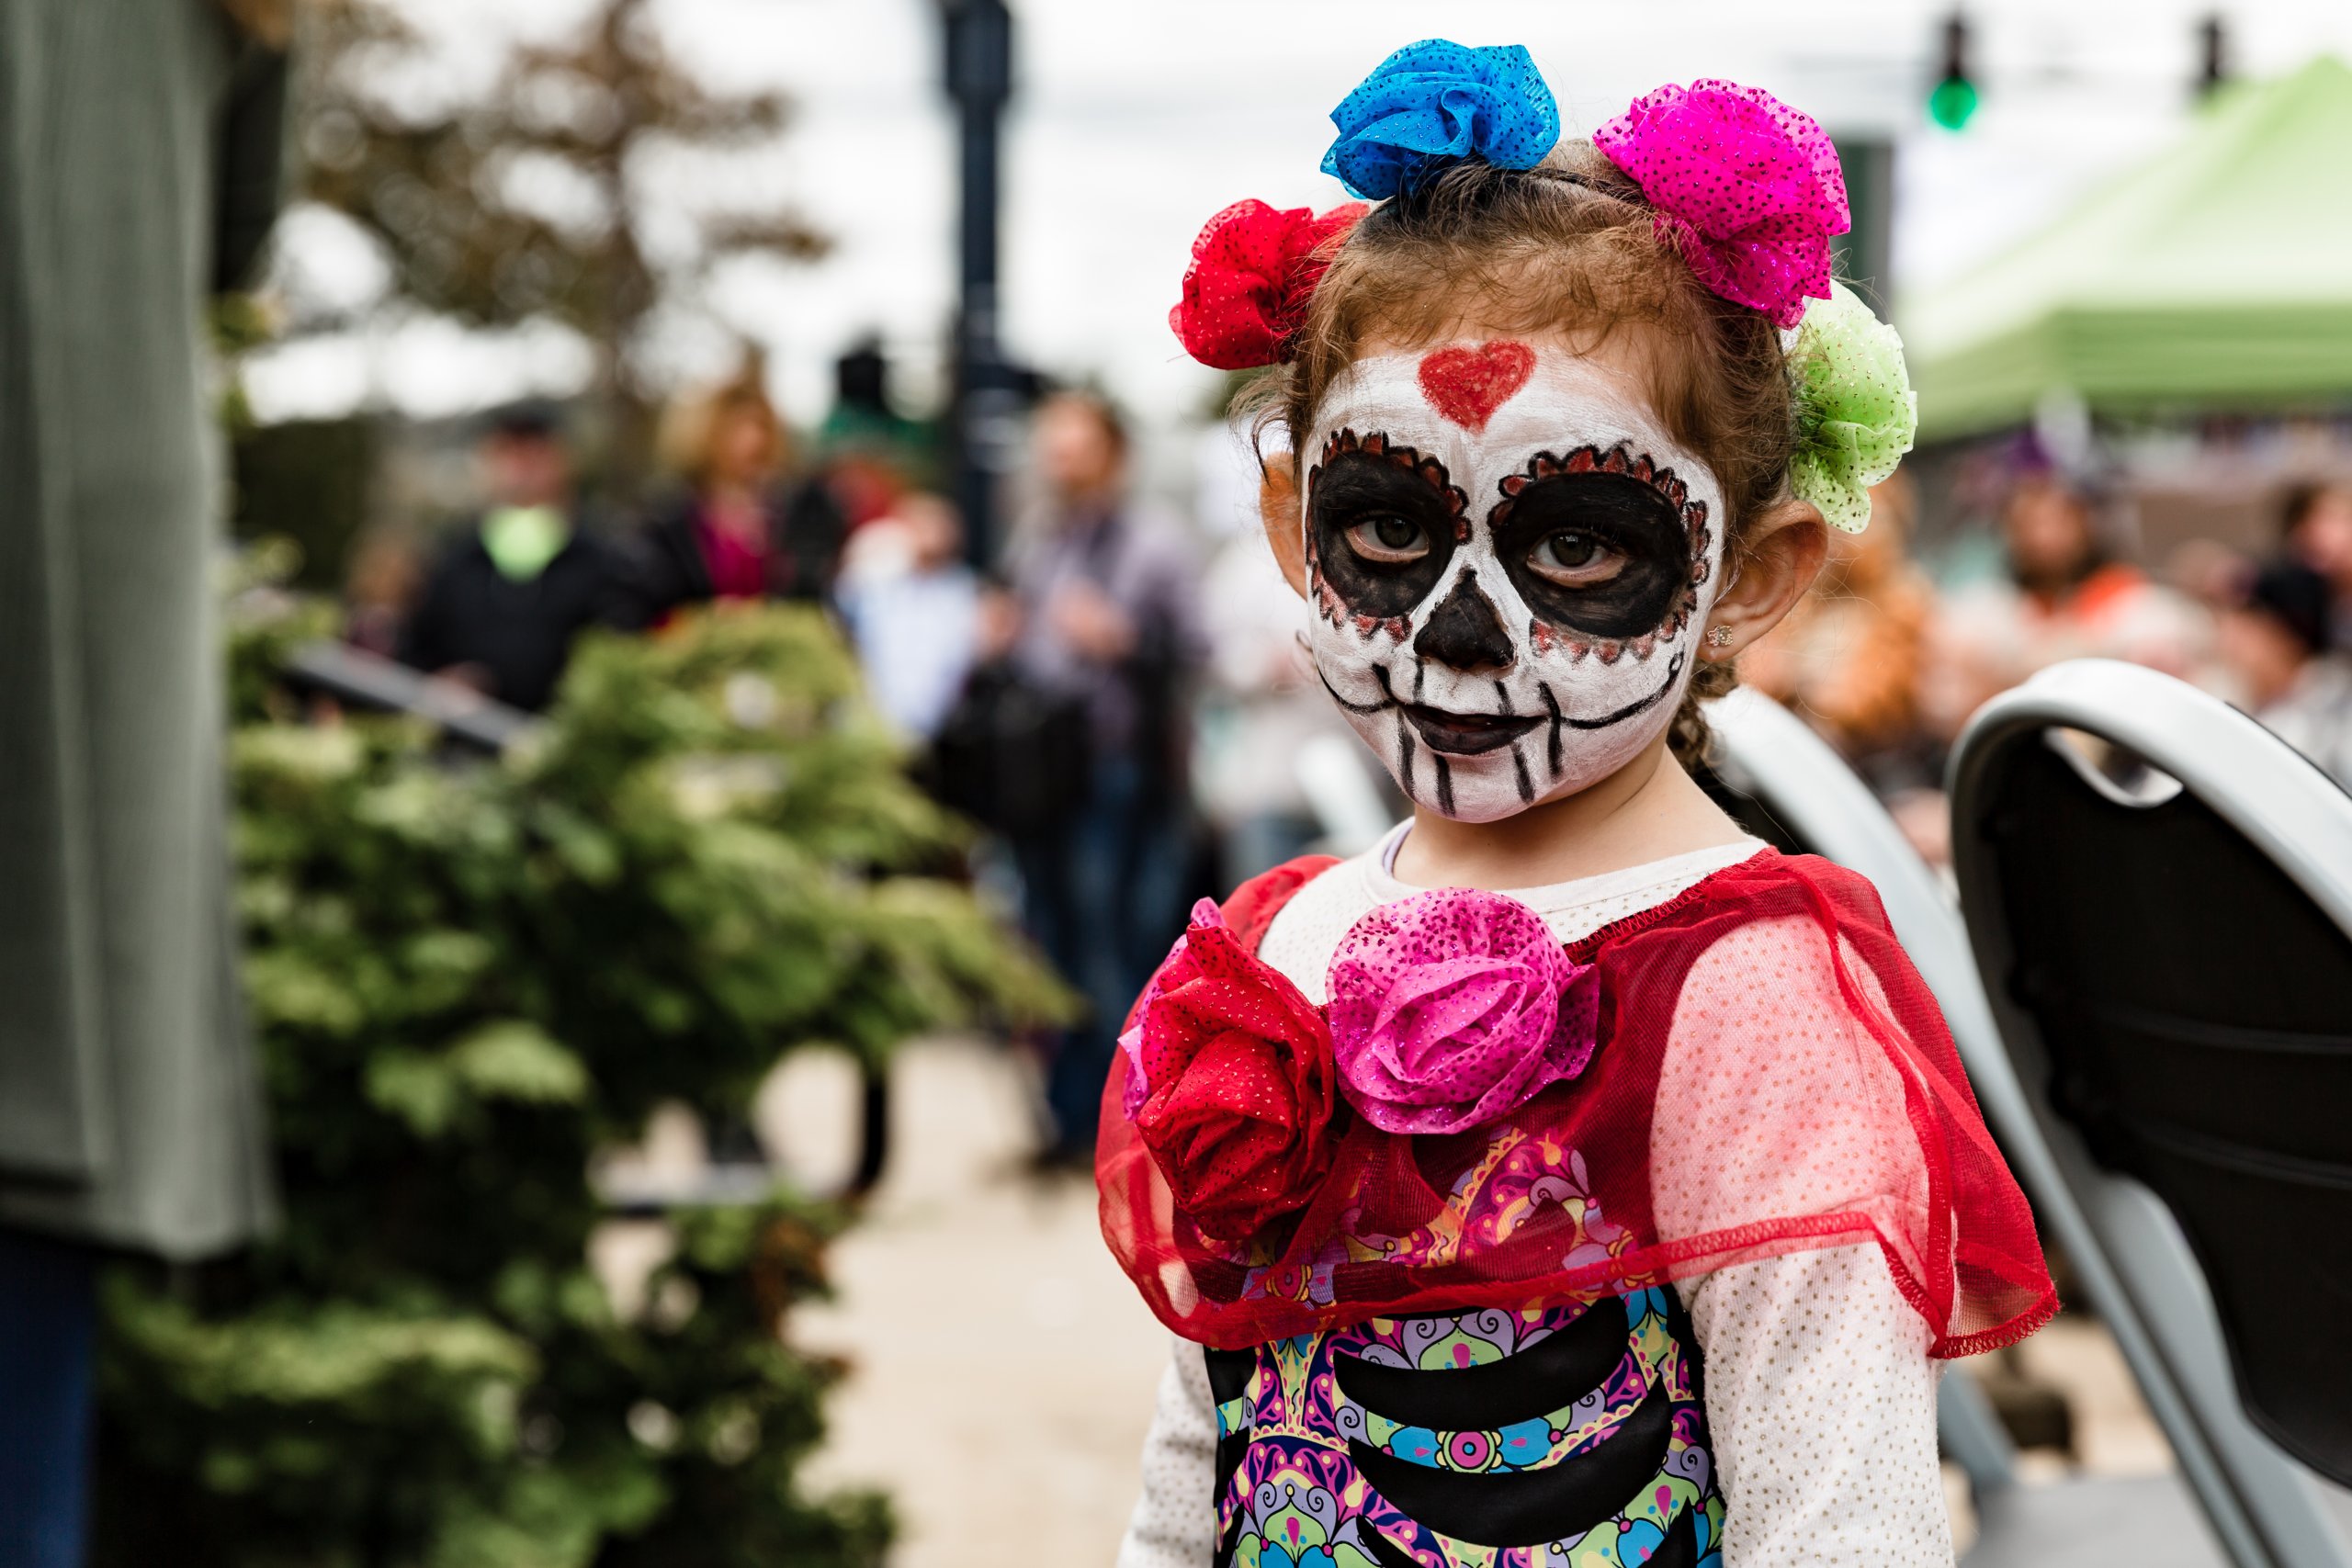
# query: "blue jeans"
(47, 1308)
(1101, 898)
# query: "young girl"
(1570, 1180)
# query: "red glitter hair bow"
(1254, 268)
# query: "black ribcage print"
(1680, 1549)
(1472, 1432)
(1551, 1374)
(1229, 1374)
(1524, 1507)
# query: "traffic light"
(1952, 101)
(2212, 55)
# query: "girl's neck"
(1647, 811)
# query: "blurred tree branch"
(531, 200)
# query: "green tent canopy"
(2217, 276)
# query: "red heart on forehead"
(1467, 385)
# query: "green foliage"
(466, 978)
(311, 481)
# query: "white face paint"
(1511, 565)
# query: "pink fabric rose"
(1749, 185)
(1453, 1008)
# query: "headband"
(1745, 189)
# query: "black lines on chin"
(1639, 706)
(1444, 782)
(1518, 758)
(1554, 750)
(1404, 730)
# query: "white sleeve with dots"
(1821, 1403)
(1174, 1522)
(1820, 1394)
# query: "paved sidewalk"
(1004, 1368)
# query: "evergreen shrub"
(466, 979)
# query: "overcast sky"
(1135, 120)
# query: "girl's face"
(1509, 564)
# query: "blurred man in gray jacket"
(138, 173)
(1109, 599)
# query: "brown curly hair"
(1568, 246)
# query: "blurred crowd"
(1048, 692)
(1119, 694)
(1888, 659)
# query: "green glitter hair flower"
(1856, 410)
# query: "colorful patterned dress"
(1570, 1437)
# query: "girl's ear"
(1286, 526)
(1777, 562)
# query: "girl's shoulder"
(1766, 886)
(1250, 909)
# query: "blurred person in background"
(2068, 595)
(2064, 596)
(380, 590)
(500, 608)
(1849, 658)
(139, 175)
(1260, 702)
(912, 607)
(739, 530)
(2273, 641)
(2315, 524)
(2206, 571)
(1107, 597)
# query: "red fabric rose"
(1240, 1095)
(1254, 268)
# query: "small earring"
(1718, 636)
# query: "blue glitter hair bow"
(1435, 102)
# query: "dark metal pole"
(980, 80)
(1864, 253)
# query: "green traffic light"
(1953, 103)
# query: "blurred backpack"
(1013, 755)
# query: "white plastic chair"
(2130, 925)
(1790, 786)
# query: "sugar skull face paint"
(1511, 565)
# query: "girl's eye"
(1388, 539)
(1575, 559)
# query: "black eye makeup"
(1607, 554)
(1388, 539)
(1386, 523)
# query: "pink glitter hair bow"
(1749, 187)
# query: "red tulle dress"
(1250, 1201)
(1427, 1230)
